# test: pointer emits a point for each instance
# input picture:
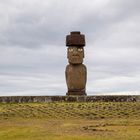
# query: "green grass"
(70, 121)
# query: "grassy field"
(70, 121)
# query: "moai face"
(75, 55)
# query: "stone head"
(75, 52)
(75, 55)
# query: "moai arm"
(85, 73)
(66, 73)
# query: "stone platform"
(108, 98)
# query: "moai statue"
(76, 73)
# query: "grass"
(71, 121)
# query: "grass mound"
(65, 110)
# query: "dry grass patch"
(71, 121)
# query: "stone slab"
(27, 99)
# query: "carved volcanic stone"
(76, 73)
(75, 55)
(75, 39)
(76, 77)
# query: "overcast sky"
(33, 52)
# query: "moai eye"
(70, 49)
(80, 49)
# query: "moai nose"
(75, 52)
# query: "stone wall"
(27, 99)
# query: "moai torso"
(76, 79)
(76, 73)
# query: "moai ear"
(67, 52)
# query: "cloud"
(32, 71)
(31, 85)
(33, 53)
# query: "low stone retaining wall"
(27, 99)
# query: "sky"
(33, 55)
